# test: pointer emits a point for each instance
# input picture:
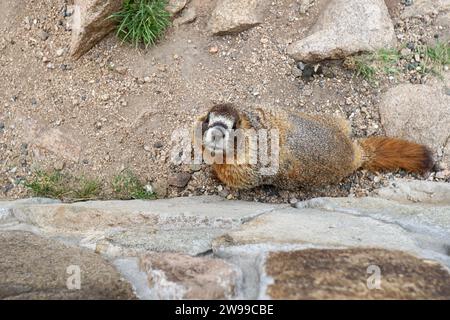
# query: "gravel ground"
(116, 107)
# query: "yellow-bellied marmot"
(313, 150)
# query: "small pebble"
(158, 144)
(301, 65)
(160, 188)
(296, 72)
(440, 175)
(410, 45)
(195, 167)
(68, 12)
(60, 52)
(179, 180)
(308, 72)
(59, 165)
(408, 2)
(43, 35)
(405, 51)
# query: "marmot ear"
(238, 124)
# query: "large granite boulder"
(346, 27)
(91, 23)
(233, 16)
(420, 113)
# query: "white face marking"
(216, 137)
(214, 118)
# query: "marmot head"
(218, 125)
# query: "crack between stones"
(249, 219)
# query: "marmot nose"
(217, 133)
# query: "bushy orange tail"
(389, 154)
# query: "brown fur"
(242, 176)
(383, 154)
(317, 150)
(239, 177)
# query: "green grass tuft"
(365, 69)
(433, 59)
(47, 184)
(87, 189)
(55, 184)
(142, 21)
(384, 60)
(127, 186)
(387, 61)
(387, 56)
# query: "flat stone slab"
(246, 250)
(6, 207)
(132, 241)
(411, 216)
(421, 208)
(178, 276)
(318, 227)
(353, 274)
(168, 214)
(125, 227)
(414, 191)
(33, 267)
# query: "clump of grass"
(384, 60)
(142, 21)
(432, 59)
(55, 184)
(47, 184)
(87, 189)
(127, 186)
(364, 69)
